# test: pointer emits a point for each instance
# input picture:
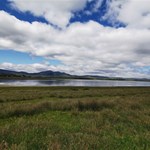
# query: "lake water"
(73, 82)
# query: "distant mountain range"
(9, 74)
(43, 74)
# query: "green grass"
(74, 118)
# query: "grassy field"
(74, 118)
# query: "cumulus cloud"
(133, 13)
(57, 12)
(36, 67)
(82, 48)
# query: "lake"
(73, 82)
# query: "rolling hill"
(9, 74)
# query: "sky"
(92, 37)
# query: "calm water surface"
(72, 82)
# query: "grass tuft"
(94, 105)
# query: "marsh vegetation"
(78, 118)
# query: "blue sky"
(76, 36)
(24, 58)
(18, 57)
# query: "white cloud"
(82, 48)
(133, 13)
(57, 12)
(36, 67)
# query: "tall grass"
(74, 118)
(69, 105)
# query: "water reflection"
(73, 82)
